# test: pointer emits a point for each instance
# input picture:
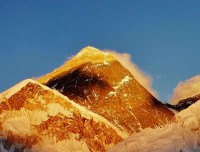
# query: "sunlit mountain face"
(93, 103)
(100, 83)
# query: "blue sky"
(163, 36)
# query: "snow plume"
(188, 88)
(143, 78)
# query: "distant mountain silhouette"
(184, 103)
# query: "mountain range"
(93, 103)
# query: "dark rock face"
(81, 85)
(185, 103)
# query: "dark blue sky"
(163, 36)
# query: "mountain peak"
(99, 82)
(15, 88)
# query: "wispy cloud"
(188, 88)
(143, 78)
